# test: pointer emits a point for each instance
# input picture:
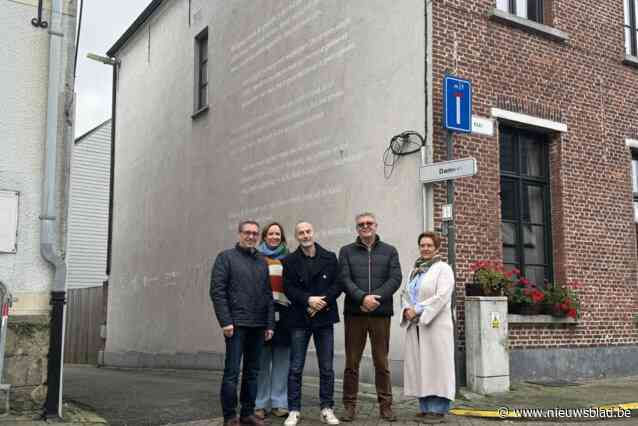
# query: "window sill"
(632, 61)
(528, 25)
(200, 112)
(538, 319)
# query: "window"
(201, 70)
(525, 207)
(631, 27)
(634, 182)
(528, 9)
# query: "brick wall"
(585, 81)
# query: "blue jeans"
(246, 343)
(272, 385)
(324, 345)
(434, 404)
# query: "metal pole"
(451, 256)
(451, 231)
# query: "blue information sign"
(457, 104)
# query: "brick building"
(555, 194)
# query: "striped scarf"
(275, 271)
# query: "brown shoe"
(260, 413)
(279, 412)
(434, 418)
(349, 413)
(232, 422)
(387, 414)
(250, 421)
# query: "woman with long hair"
(272, 384)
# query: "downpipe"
(49, 222)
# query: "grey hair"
(364, 214)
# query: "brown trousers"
(357, 328)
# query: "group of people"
(270, 302)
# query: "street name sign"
(448, 170)
(482, 126)
(457, 104)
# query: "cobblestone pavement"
(140, 397)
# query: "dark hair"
(431, 235)
(240, 228)
(267, 228)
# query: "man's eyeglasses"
(250, 233)
(362, 225)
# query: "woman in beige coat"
(428, 372)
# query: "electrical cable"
(406, 143)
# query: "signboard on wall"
(9, 202)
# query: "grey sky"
(103, 22)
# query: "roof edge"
(85, 134)
(130, 31)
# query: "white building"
(36, 133)
(270, 110)
(89, 208)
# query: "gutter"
(49, 222)
(426, 151)
(109, 242)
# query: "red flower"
(572, 313)
(537, 296)
(524, 281)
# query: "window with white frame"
(534, 10)
(201, 70)
(631, 27)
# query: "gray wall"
(304, 97)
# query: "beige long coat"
(428, 368)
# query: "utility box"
(487, 356)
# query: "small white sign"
(482, 125)
(9, 221)
(446, 212)
(447, 170)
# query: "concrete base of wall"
(537, 364)
(573, 363)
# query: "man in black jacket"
(243, 302)
(310, 282)
(370, 274)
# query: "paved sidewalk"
(190, 398)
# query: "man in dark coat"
(370, 274)
(243, 302)
(310, 282)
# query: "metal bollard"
(6, 300)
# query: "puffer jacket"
(240, 289)
(364, 271)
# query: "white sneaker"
(328, 417)
(293, 418)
